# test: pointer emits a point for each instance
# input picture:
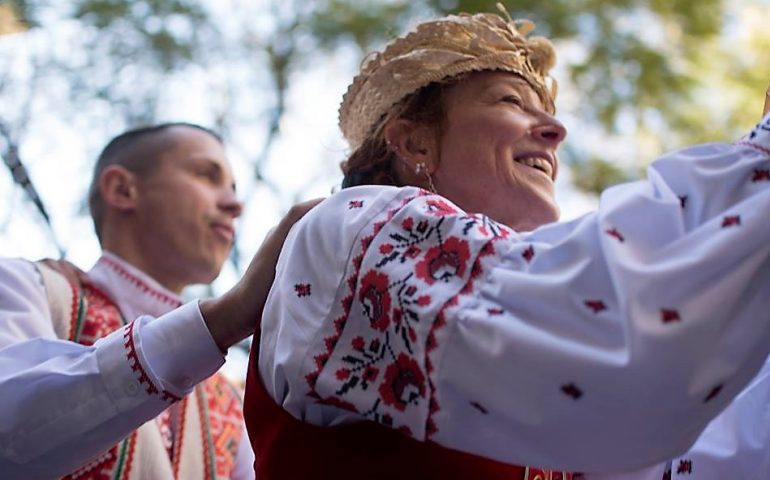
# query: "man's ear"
(118, 188)
(414, 144)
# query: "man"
(83, 365)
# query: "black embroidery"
(571, 390)
(713, 393)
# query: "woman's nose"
(550, 131)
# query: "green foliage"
(644, 68)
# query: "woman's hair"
(373, 163)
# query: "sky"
(59, 152)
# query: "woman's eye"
(513, 99)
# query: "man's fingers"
(299, 210)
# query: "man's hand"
(234, 316)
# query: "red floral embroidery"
(370, 374)
(495, 311)
(595, 305)
(615, 233)
(404, 383)
(440, 208)
(358, 343)
(302, 289)
(668, 316)
(685, 466)
(375, 299)
(761, 175)
(412, 251)
(528, 254)
(355, 204)
(731, 221)
(444, 261)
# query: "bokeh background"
(636, 78)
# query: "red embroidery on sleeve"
(596, 306)
(302, 289)
(613, 232)
(528, 254)
(133, 358)
(144, 379)
(685, 466)
(668, 316)
(731, 221)
(761, 175)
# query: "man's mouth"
(226, 232)
(538, 163)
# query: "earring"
(422, 167)
(431, 186)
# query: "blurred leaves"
(649, 72)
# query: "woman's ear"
(118, 188)
(414, 144)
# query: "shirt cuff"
(179, 350)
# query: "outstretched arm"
(63, 403)
(602, 344)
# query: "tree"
(637, 76)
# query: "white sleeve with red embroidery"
(736, 444)
(602, 344)
(61, 403)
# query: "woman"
(438, 296)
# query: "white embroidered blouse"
(602, 344)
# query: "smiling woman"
(438, 296)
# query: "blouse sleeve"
(62, 403)
(598, 345)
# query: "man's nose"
(230, 204)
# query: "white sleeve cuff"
(178, 350)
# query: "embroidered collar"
(132, 290)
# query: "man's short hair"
(137, 150)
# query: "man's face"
(185, 210)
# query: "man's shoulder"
(19, 271)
